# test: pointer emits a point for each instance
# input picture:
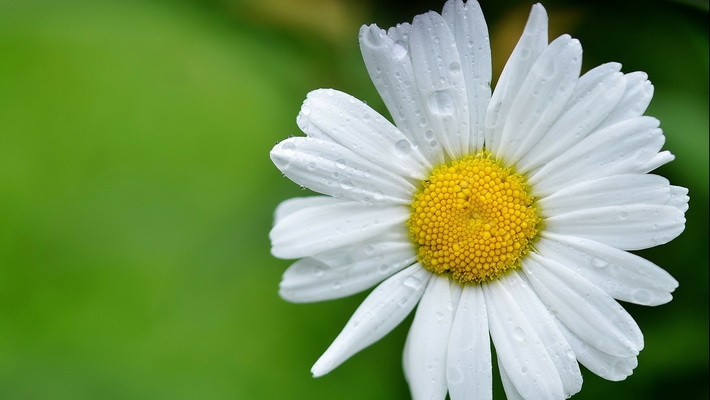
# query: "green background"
(136, 193)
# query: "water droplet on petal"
(413, 283)
(403, 147)
(399, 50)
(641, 296)
(441, 102)
(599, 263)
(519, 334)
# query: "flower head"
(502, 216)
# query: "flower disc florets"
(473, 219)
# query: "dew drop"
(288, 146)
(403, 147)
(346, 185)
(641, 296)
(429, 135)
(599, 263)
(455, 67)
(623, 215)
(311, 166)
(340, 163)
(413, 283)
(441, 102)
(519, 334)
(399, 50)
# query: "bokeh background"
(136, 192)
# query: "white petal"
(329, 168)
(605, 365)
(511, 393)
(428, 339)
(590, 313)
(288, 207)
(320, 228)
(622, 275)
(345, 271)
(637, 97)
(679, 198)
(549, 333)
(596, 94)
(619, 149)
(656, 161)
(614, 190)
(540, 99)
(519, 349)
(531, 44)
(381, 311)
(469, 366)
(440, 81)
(632, 227)
(353, 124)
(389, 64)
(471, 34)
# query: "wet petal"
(618, 190)
(471, 34)
(596, 94)
(328, 113)
(521, 352)
(428, 339)
(531, 44)
(345, 271)
(585, 309)
(631, 227)
(622, 275)
(381, 311)
(323, 227)
(388, 61)
(638, 95)
(619, 149)
(605, 365)
(541, 98)
(329, 168)
(440, 82)
(469, 369)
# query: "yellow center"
(473, 219)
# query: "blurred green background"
(136, 192)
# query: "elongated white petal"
(381, 311)
(547, 330)
(622, 275)
(329, 168)
(471, 35)
(440, 82)
(631, 227)
(521, 352)
(356, 126)
(428, 339)
(617, 190)
(531, 44)
(541, 98)
(622, 148)
(636, 99)
(344, 271)
(469, 371)
(596, 94)
(511, 393)
(320, 228)
(679, 198)
(605, 365)
(388, 61)
(289, 206)
(590, 313)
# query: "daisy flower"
(503, 216)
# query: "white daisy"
(507, 217)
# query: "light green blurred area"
(136, 196)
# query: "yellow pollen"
(473, 219)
